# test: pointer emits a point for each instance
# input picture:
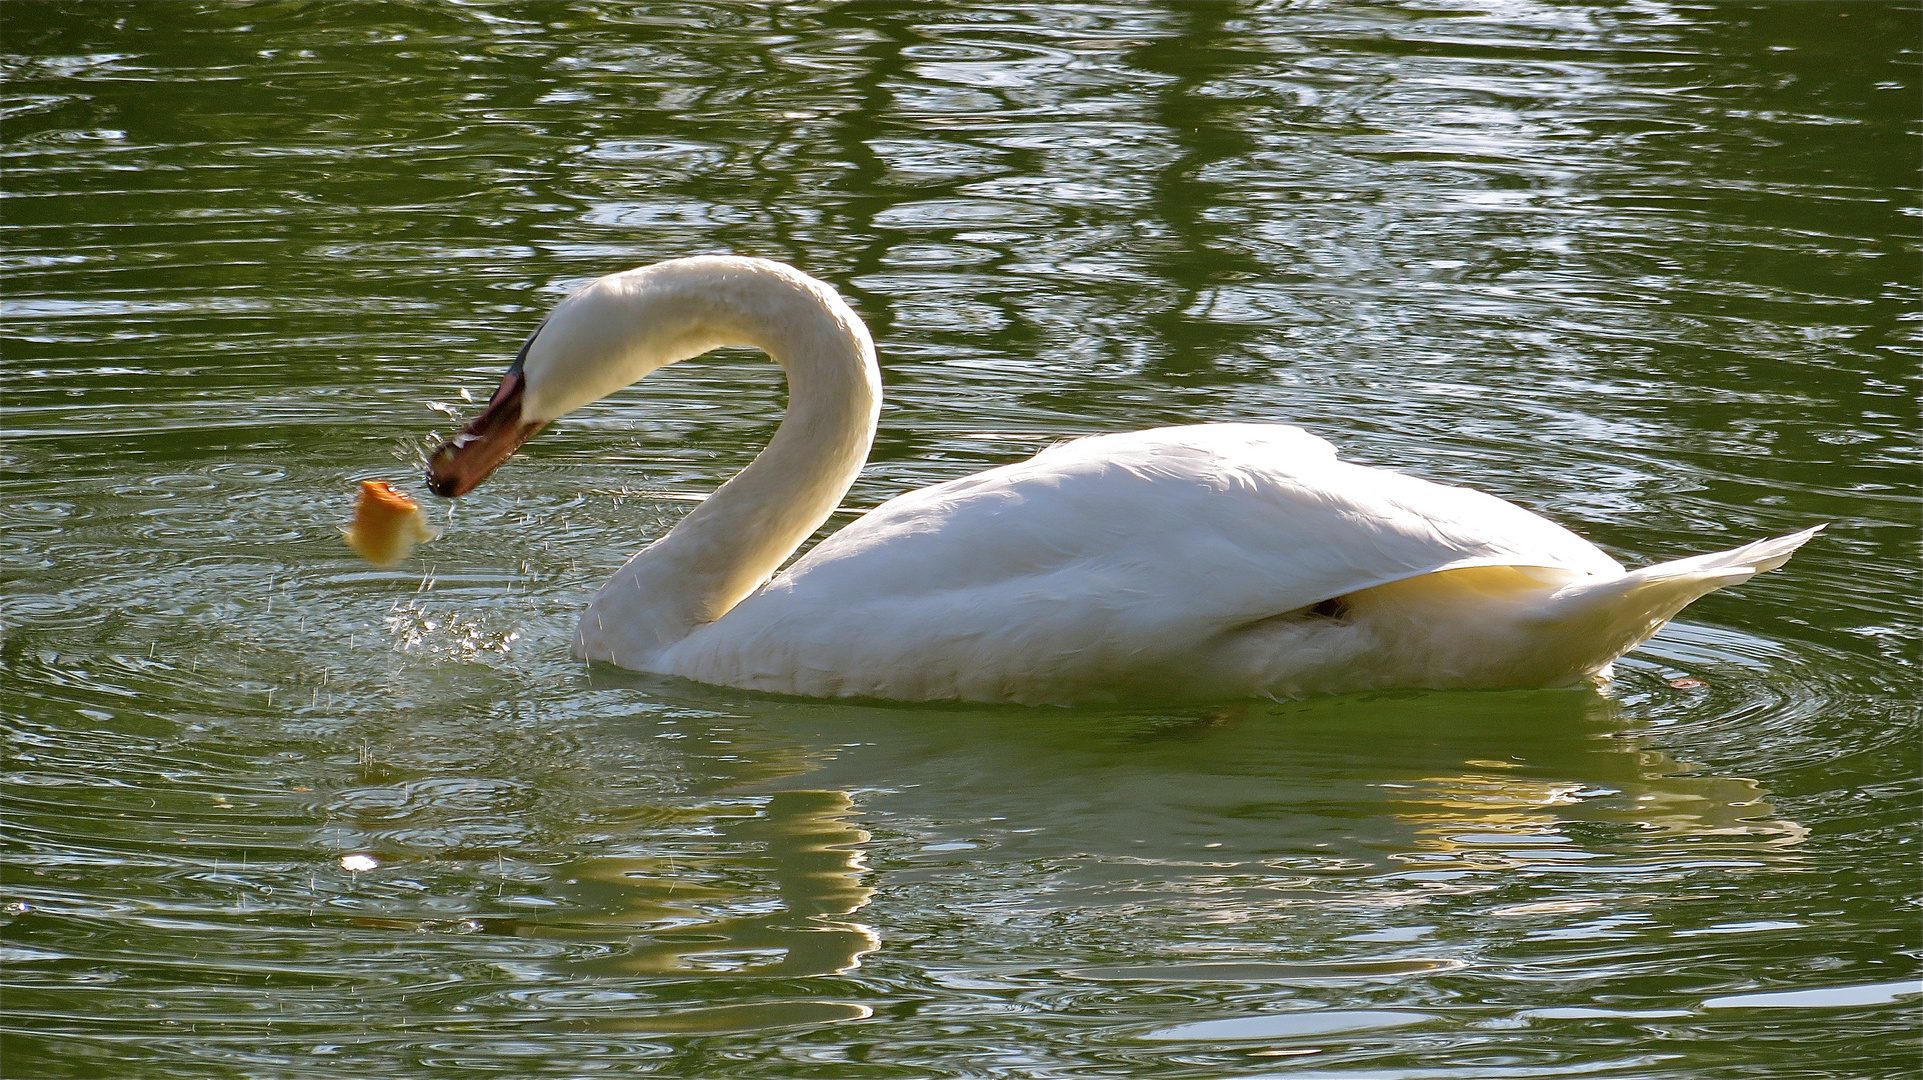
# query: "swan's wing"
(1173, 509)
(1105, 554)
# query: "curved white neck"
(739, 536)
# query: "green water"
(1645, 267)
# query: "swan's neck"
(739, 536)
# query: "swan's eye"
(1332, 608)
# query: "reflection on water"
(1485, 812)
(691, 911)
(1582, 794)
(677, 915)
(1303, 859)
(1525, 780)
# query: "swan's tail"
(1617, 614)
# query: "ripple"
(1832, 997)
(433, 795)
(247, 472)
(771, 1016)
(1288, 1026)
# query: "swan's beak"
(462, 462)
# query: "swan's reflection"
(692, 912)
(1488, 812)
(1203, 815)
(1332, 786)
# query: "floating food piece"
(387, 524)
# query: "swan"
(1207, 561)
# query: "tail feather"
(1736, 564)
(1612, 616)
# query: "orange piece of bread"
(387, 524)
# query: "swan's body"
(1216, 560)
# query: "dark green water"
(1646, 267)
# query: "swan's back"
(1116, 563)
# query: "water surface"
(1645, 267)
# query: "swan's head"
(604, 336)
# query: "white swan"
(1212, 561)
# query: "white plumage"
(1208, 561)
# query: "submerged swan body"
(1206, 561)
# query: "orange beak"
(489, 439)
